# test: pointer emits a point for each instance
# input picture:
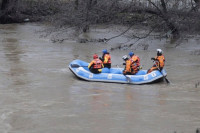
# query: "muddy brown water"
(39, 94)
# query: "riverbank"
(118, 37)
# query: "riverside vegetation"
(172, 17)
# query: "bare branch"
(155, 6)
(119, 34)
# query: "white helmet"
(125, 57)
(159, 51)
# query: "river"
(39, 94)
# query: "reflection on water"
(13, 51)
(10, 40)
(38, 93)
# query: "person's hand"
(152, 58)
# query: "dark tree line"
(80, 14)
(17, 11)
(83, 13)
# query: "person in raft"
(135, 62)
(127, 69)
(159, 61)
(96, 64)
(106, 58)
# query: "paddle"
(127, 78)
(166, 79)
(76, 66)
(162, 73)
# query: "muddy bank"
(117, 37)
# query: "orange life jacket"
(128, 66)
(97, 63)
(160, 61)
(106, 59)
(135, 62)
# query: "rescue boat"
(80, 69)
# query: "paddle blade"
(166, 80)
(128, 79)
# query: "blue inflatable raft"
(80, 69)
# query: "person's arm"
(105, 59)
(101, 58)
(91, 63)
(102, 65)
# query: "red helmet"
(95, 56)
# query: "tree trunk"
(166, 18)
(76, 2)
(197, 5)
(196, 1)
(4, 4)
(8, 11)
(88, 9)
(164, 6)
